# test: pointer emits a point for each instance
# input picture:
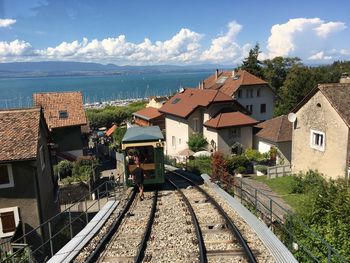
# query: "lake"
(17, 92)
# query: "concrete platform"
(73, 247)
(277, 249)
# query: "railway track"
(127, 238)
(219, 240)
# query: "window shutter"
(8, 222)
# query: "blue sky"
(172, 32)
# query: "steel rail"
(201, 246)
(108, 236)
(249, 254)
(141, 252)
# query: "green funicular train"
(146, 146)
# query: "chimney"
(344, 78)
(233, 73)
(216, 74)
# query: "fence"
(284, 224)
(60, 229)
(278, 171)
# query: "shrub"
(64, 168)
(236, 161)
(219, 167)
(261, 168)
(240, 170)
(118, 135)
(197, 142)
(256, 156)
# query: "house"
(250, 91)
(149, 117)
(28, 189)
(275, 133)
(210, 112)
(156, 102)
(321, 137)
(65, 117)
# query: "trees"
(197, 142)
(251, 63)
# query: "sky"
(178, 32)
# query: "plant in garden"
(219, 167)
(255, 155)
(118, 135)
(64, 168)
(236, 161)
(197, 142)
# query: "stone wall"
(73, 192)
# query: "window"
(195, 124)
(258, 92)
(9, 219)
(63, 114)
(175, 101)
(173, 141)
(42, 157)
(235, 132)
(249, 108)
(249, 93)
(239, 94)
(6, 176)
(317, 140)
(262, 108)
(179, 141)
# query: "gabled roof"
(228, 84)
(230, 119)
(184, 103)
(19, 134)
(338, 95)
(142, 134)
(278, 129)
(55, 102)
(148, 113)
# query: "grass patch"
(283, 186)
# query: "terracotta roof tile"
(55, 102)
(184, 103)
(110, 131)
(230, 119)
(228, 84)
(278, 129)
(19, 134)
(148, 113)
(338, 95)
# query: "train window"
(142, 154)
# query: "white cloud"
(320, 56)
(299, 34)
(182, 47)
(327, 28)
(16, 48)
(225, 48)
(7, 22)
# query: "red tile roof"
(110, 131)
(19, 134)
(338, 95)
(230, 119)
(228, 84)
(148, 113)
(278, 129)
(54, 102)
(184, 103)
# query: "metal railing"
(284, 224)
(42, 242)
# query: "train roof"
(142, 134)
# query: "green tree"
(118, 135)
(252, 64)
(197, 142)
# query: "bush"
(240, 170)
(197, 142)
(256, 156)
(118, 135)
(64, 168)
(261, 168)
(219, 167)
(200, 165)
(236, 161)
